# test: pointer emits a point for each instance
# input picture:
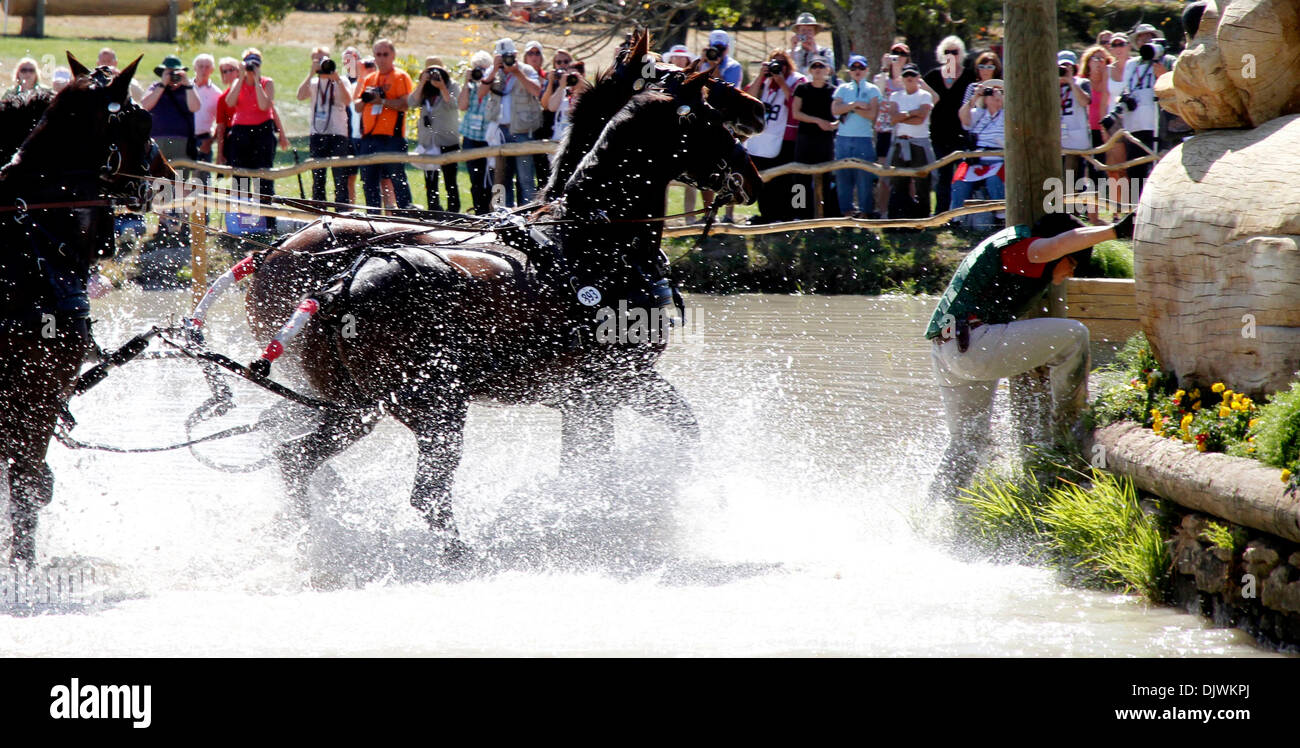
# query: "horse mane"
(19, 116)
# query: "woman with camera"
(437, 96)
(988, 66)
(250, 144)
(563, 85)
(330, 132)
(983, 118)
(473, 128)
(774, 86)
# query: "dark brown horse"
(57, 195)
(421, 328)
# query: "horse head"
(92, 128)
(714, 119)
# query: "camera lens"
(987, 92)
(508, 60)
(327, 66)
(571, 80)
(476, 74)
(1062, 70)
(711, 53)
(775, 67)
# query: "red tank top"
(246, 109)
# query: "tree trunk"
(865, 27)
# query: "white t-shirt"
(989, 130)
(1074, 117)
(1140, 81)
(767, 144)
(329, 108)
(910, 102)
(207, 114)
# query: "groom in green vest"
(978, 335)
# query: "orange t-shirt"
(387, 121)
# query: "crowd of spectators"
(901, 116)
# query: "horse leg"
(439, 428)
(31, 487)
(586, 433)
(300, 458)
(655, 397)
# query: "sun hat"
(806, 19)
(172, 62)
(504, 47)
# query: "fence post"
(1033, 157)
(198, 254)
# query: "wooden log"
(1217, 258)
(97, 7)
(1234, 488)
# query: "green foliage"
(1221, 536)
(383, 18)
(219, 19)
(1277, 437)
(1096, 532)
(1133, 382)
(1110, 259)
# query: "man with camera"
(775, 145)
(173, 102)
(436, 95)
(381, 99)
(330, 95)
(717, 62)
(803, 46)
(515, 104)
(1137, 107)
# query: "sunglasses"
(1119, 43)
(564, 62)
(857, 67)
(27, 70)
(229, 70)
(988, 67)
(816, 65)
(367, 64)
(951, 52)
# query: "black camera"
(1153, 50)
(372, 93)
(571, 80)
(508, 59)
(1127, 101)
(775, 67)
(252, 64)
(712, 53)
(476, 74)
(326, 67)
(988, 91)
(173, 76)
(435, 73)
(1062, 70)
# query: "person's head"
(318, 54)
(385, 55)
(352, 60)
(251, 61)
(27, 74)
(679, 55)
(1067, 63)
(911, 78)
(481, 60)
(992, 94)
(857, 67)
(783, 57)
(951, 48)
(806, 27)
(170, 70)
(62, 77)
(1143, 33)
(203, 67)
(819, 69)
(988, 66)
(719, 43)
(506, 52)
(107, 58)
(533, 55)
(368, 65)
(1103, 37)
(229, 69)
(1119, 46)
(1095, 61)
(562, 59)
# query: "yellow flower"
(1224, 412)
(1286, 476)
(1187, 421)
(1196, 405)
(1227, 395)
(1200, 446)
(1179, 394)
(1252, 423)
(1217, 387)
(1196, 393)
(1250, 450)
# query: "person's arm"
(150, 99)
(304, 88)
(533, 87)
(398, 102)
(967, 113)
(756, 86)
(548, 91)
(796, 111)
(1075, 240)
(232, 97)
(265, 94)
(192, 98)
(934, 95)
(1116, 72)
(840, 107)
(284, 137)
(1080, 95)
(220, 139)
(462, 101)
(871, 109)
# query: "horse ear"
(120, 88)
(691, 92)
(77, 68)
(640, 46)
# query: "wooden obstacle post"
(163, 27)
(34, 24)
(198, 254)
(1033, 148)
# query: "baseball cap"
(504, 47)
(1066, 55)
(819, 60)
(719, 38)
(859, 59)
(910, 69)
(530, 46)
(900, 49)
